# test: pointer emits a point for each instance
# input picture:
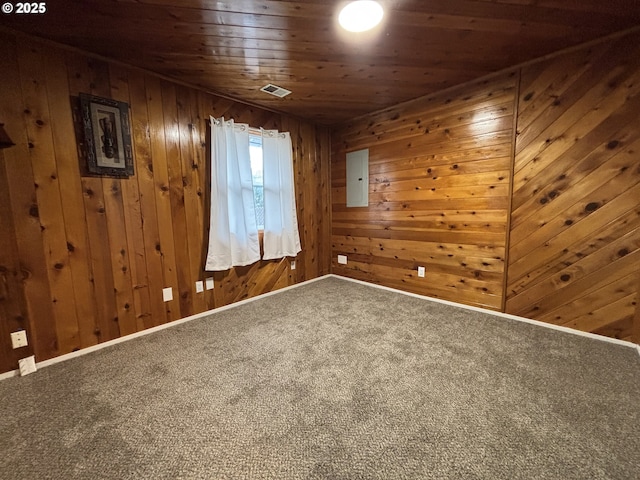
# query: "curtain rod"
(255, 130)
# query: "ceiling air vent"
(275, 90)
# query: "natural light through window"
(255, 152)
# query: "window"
(237, 221)
(255, 152)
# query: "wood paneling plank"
(50, 211)
(542, 252)
(21, 189)
(87, 76)
(13, 310)
(146, 202)
(575, 234)
(575, 75)
(185, 285)
(191, 161)
(621, 309)
(133, 223)
(120, 257)
(67, 164)
(574, 250)
(578, 309)
(438, 194)
(162, 193)
(601, 101)
(614, 134)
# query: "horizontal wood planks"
(448, 177)
(86, 258)
(439, 173)
(574, 254)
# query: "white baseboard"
(109, 343)
(100, 346)
(499, 314)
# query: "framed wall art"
(107, 136)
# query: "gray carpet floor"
(331, 380)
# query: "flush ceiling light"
(361, 15)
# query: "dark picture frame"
(107, 136)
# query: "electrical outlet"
(209, 283)
(199, 286)
(342, 259)
(27, 365)
(167, 294)
(19, 339)
(421, 271)
(293, 264)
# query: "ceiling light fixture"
(361, 15)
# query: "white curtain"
(233, 235)
(281, 237)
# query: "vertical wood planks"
(191, 159)
(299, 171)
(133, 221)
(324, 208)
(13, 314)
(145, 200)
(71, 195)
(92, 254)
(86, 76)
(45, 178)
(204, 176)
(635, 333)
(162, 192)
(116, 226)
(25, 211)
(176, 183)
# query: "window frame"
(255, 140)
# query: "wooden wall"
(439, 171)
(12, 302)
(574, 253)
(453, 188)
(85, 259)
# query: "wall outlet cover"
(342, 259)
(19, 339)
(293, 264)
(199, 286)
(167, 294)
(421, 271)
(27, 365)
(209, 283)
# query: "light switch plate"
(167, 294)
(199, 286)
(27, 365)
(209, 283)
(342, 259)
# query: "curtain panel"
(233, 234)
(281, 236)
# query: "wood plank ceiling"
(234, 47)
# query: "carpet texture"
(331, 380)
